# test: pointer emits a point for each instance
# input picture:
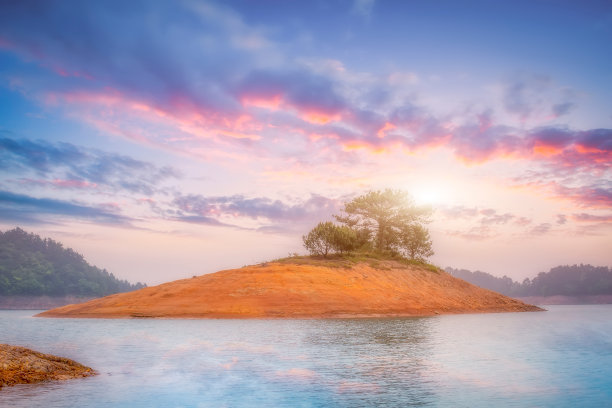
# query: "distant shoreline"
(25, 302)
(567, 300)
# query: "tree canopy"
(383, 221)
(31, 265)
(384, 214)
(327, 236)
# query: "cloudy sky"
(167, 139)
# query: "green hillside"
(31, 265)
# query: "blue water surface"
(558, 358)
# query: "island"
(304, 287)
(19, 365)
(371, 263)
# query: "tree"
(320, 240)
(416, 242)
(31, 265)
(327, 236)
(344, 239)
(384, 214)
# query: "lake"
(558, 358)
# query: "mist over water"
(559, 358)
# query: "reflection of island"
(304, 287)
(24, 366)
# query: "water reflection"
(533, 359)
(379, 360)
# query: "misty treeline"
(31, 265)
(567, 280)
(386, 222)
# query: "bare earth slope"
(308, 291)
(19, 365)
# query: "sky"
(166, 139)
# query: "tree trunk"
(381, 235)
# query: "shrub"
(320, 240)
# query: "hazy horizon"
(163, 140)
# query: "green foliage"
(30, 265)
(320, 239)
(390, 222)
(415, 242)
(387, 222)
(327, 237)
(344, 239)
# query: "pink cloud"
(583, 217)
(269, 102)
(319, 117)
(522, 221)
(382, 132)
(62, 184)
(587, 196)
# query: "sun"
(429, 195)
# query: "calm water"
(559, 358)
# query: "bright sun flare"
(428, 195)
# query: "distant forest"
(31, 265)
(574, 280)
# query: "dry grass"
(372, 259)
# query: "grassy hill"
(33, 266)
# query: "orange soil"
(301, 291)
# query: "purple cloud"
(32, 210)
(491, 217)
(273, 214)
(486, 216)
(584, 217)
(540, 229)
(64, 165)
(459, 212)
(220, 85)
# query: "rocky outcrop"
(19, 365)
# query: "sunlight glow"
(429, 194)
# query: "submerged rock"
(19, 365)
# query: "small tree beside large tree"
(327, 237)
(387, 221)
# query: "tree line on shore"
(566, 280)
(387, 222)
(31, 265)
